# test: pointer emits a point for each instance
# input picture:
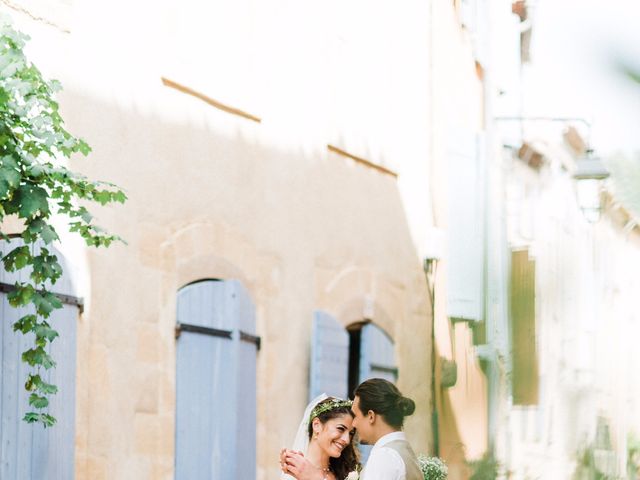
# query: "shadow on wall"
(187, 169)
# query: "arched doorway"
(342, 358)
(215, 382)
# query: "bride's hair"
(348, 461)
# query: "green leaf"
(47, 420)
(83, 147)
(46, 302)
(45, 331)
(46, 267)
(48, 234)
(17, 258)
(37, 401)
(38, 356)
(32, 417)
(102, 196)
(25, 324)
(31, 200)
(21, 295)
(120, 196)
(47, 388)
(9, 175)
(35, 382)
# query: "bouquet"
(432, 467)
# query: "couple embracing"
(323, 447)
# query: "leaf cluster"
(36, 185)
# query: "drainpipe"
(492, 253)
(429, 265)
(429, 272)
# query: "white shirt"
(385, 463)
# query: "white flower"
(432, 467)
(353, 475)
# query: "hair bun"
(406, 406)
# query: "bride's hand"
(294, 464)
(283, 459)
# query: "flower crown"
(331, 405)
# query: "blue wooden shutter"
(465, 226)
(377, 360)
(244, 315)
(31, 451)
(329, 366)
(377, 357)
(216, 383)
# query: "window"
(524, 377)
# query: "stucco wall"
(302, 232)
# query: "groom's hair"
(384, 398)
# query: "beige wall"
(302, 232)
(214, 195)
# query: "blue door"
(215, 382)
(29, 451)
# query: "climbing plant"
(35, 186)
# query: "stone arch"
(356, 294)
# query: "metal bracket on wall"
(247, 337)
(66, 299)
(383, 368)
(215, 332)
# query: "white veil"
(301, 440)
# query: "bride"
(323, 446)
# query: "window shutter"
(465, 238)
(329, 366)
(377, 360)
(29, 451)
(377, 357)
(524, 375)
(244, 313)
(216, 382)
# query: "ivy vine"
(35, 186)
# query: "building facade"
(274, 160)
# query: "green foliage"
(633, 456)
(487, 468)
(35, 185)
(432, 468)
(587, 466)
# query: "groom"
(379, 410)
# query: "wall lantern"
(590, 175)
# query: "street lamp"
(590, 174)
